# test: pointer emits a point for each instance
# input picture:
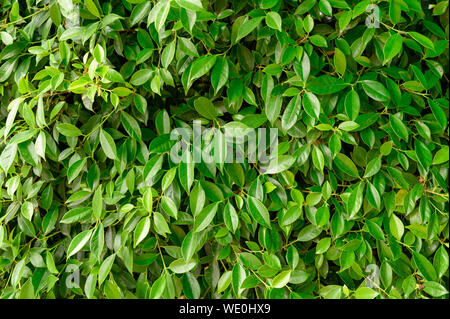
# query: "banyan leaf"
(205, 108)
(346, 165)
(78, 242)
(205, 217)
(247, 27)
(326, 84)
(198, 149)
(376, 90)
(258, 211)
(108, 145)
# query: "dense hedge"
(352, 204)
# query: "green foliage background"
(91, 89)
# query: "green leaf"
(72, 33)
(105, 268)
(141, 77)
(76, 215)
(234, 91)
(249, 260)
(434, 289)
(75, 169)
(231, 217)
(439, 114)
(376, 90)
(281, 279)
(399, 127)
(365, 293)
(141, 231)
(258, 211)
(423, 40)
(191, 287)
(273, 108)
(340, 62)
(201, 66)
(331, 292)
(373, 167)
(291, 113)
(346, 165)
(7, 68)
(180, 266)
(311, 104)
(108, 145)
(195, 5)
(375, 230)
(92, 8)
(205, 217)
(323, 245)
(396, 227)
(441, 156)
(219, 74)
(344, 20)
(158, 287)
(147, 200)
(187, 46)
(273, 20)
(224, 281)
(318, 159)
(68, 130)
(291, 215)
(78, 242)
(318, 40)
(352, 104)
(189, 245)
(386, 148)
(280, 164)
(440, 261)
(7, 157)
(309, 233)
(247, 27)
(160, 224)
(250, 282)
(168, 206)
(392, 47)
(131, 125)
(167, 54)
(326, 84)
(425, 266)
(205, 108)
(186, 171)
(423, 154)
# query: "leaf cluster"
(355, 206)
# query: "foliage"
(356, 207)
